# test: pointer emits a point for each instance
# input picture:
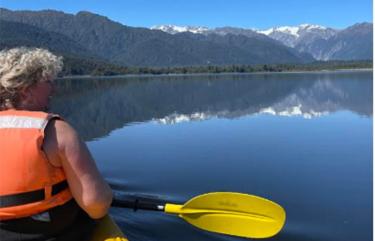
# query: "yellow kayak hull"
(107, 230)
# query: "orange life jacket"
(24, 168)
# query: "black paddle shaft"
(138, 204)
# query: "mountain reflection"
(96, 106)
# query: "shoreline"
(223, 73)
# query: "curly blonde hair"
(23, 67)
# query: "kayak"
(107, 230)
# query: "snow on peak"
(288, 29)
(173, 29)
(284, 29)
(311, 26)
(293, 30)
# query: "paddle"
(230, 213)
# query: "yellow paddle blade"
(232, 213)
(107, 230)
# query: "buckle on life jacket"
(30, 197)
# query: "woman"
(50, 187)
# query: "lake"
(302, 140)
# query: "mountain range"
(91, 36)
(323, 43)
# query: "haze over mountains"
(91, 36)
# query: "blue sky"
(260, 14)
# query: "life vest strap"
(30, 197)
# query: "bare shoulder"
(64, 129)
(57, 134)
(68, 151)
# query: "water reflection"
(96, 106)
(318, 169)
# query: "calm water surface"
(302, 140)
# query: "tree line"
(74, 66)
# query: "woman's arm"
(64, 148)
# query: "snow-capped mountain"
(173, 29)
(294, 30)
(251, 33)
(290, 36)
(323, 43)
(293, 35)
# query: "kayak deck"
(107, 230)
